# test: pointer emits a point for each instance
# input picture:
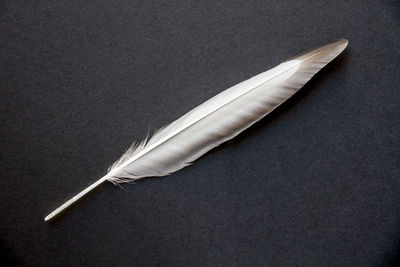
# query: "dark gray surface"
(315, 183)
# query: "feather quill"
(217, 120)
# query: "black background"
(315, 183)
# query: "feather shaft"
(75, 198)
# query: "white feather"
(217, 120)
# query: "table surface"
(315, 183)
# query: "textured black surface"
(316, 183)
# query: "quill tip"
(75, 198)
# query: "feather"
(219, 119)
